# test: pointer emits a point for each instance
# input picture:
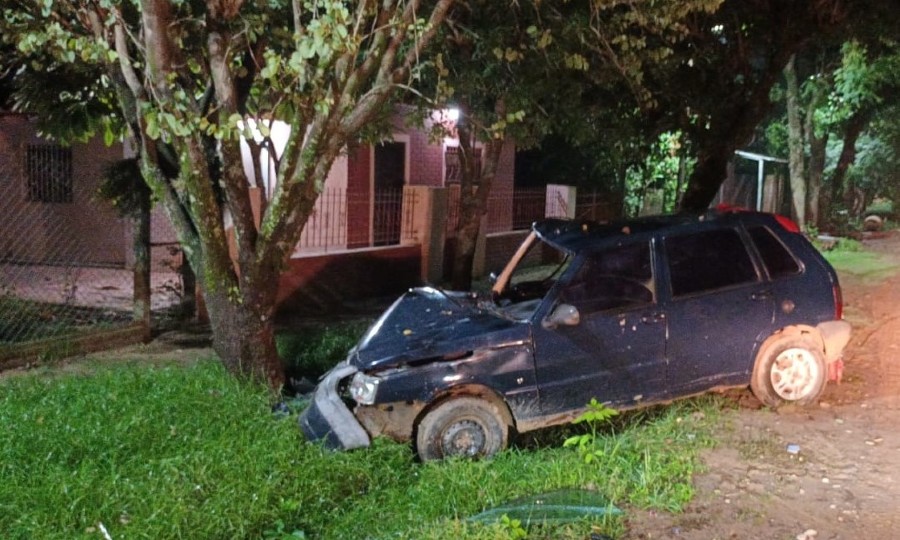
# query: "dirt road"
(844, 482)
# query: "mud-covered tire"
(465, 427)
(789, 369)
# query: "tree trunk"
(245, 338)
(852, 131)
(141, 270)
(817, 149)
(795, 145)
(475, 188)
(466, 243)
(711, 169)
(187, 308)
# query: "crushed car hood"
(427, 324)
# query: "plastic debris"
(793, 448)
(562, 506)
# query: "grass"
(851, 257)
(313, 350)
(188, 452)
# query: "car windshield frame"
(522, 307)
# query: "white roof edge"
(758, 157)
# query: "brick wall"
(426, 164)
(359, 173)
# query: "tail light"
(788, 224)
(838, 302)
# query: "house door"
(390, 176)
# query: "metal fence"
(507, 210)
(348, 220)
(515, 210)
(63, 253)
(594, 205)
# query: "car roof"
(576, 235)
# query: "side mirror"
(563, 314)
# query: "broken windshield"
(527, 278)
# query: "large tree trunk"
(795, 145)
(475, 188)
(708, 175)
(852, 131)
(244, 338)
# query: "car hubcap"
(795, 374)
(464, 438)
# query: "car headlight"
(363, 388)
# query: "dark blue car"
(630, 313)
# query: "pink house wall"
(84, 231)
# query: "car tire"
(462, 427)
(789, 369)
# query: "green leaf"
(152, 128)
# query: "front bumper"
(328, 419)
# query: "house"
(372, 231)
(366, 196)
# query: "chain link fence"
(64, 254)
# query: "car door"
(616, 351)
(718, 308)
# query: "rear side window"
(708, 260)
(775, 256)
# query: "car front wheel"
(466, 427)
(790, 369)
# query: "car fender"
(472, 390)
(830, 336)
(399, 420)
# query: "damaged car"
(630, 313)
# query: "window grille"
(453, 164)
(49, 173)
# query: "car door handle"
(761, 295)
(653, 318)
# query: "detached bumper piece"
(328, 419)
(835, 335)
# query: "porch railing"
(345, 219)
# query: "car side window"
(616, 278)
(708, 260)
(775, 256)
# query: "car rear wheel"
(465, 427)
(790, 369)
